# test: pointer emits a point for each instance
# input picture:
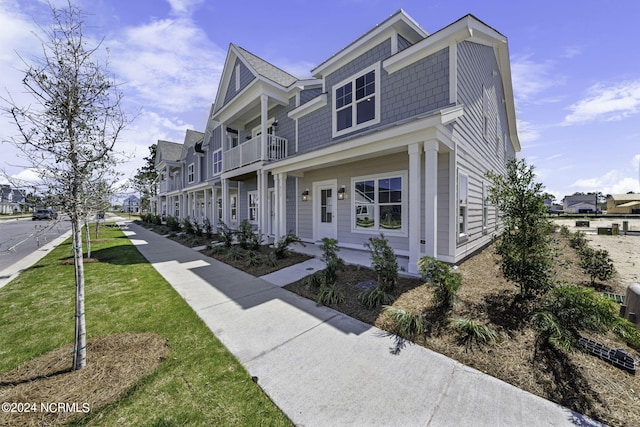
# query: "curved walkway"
(323, 368)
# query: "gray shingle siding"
(423, 86)
(308, 94)
(246, 77)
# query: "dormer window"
(356, 102)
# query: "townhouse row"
(393, 134)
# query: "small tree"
(597, 264)
(384, 262)
(525, 242)
(145, 179)
(69, 130)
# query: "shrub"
(564, 231)
(569, 310)
(282, 245)
(384, 263)
(471, 331)
(226, 234)
(330, 294)
(332, 260)
(409, 324)
(247, 237)
(173, 223)
(577, 241)
(197, 228)
(208, 228)
(235, 253)
(442, 279)
(597, 264)
(253, 259)
(187, 226)
(373, 298)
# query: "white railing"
(250, 152)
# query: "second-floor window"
(356, 102)
(217, 162)
(191, 175)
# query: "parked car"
(44, 214)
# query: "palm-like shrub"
(173, 223)
(570, 310)
(473, 332)
(226, 234)
(409, 324)
(375, 297)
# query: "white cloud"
(184, 7)
(635, 162)
(168, 64)
(527, 132)
(531, 78)
(607, 103)
(612, 182)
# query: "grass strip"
(199, 383)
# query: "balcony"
(251, 152)
(169, 186)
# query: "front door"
(324, 210)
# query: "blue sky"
(575, 67)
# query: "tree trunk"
(87, 234)
(80, 342)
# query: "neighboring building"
(131, 204)
(393, 134)
(623, 204)
(580, 204)
(11, 200)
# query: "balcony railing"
(169, 186)
(251, 152)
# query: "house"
(580, 203)
(131, 204)
(393, 134)
(11, 200)
(623, 204)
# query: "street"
(21, 237)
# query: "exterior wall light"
(306, 195)
(342, 193)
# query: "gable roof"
(192, 138)
(626, 197)
(168, 151)
(265, 69)
(400, 22)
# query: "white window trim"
(213, 162)
(256, 207)
(191, 173)
(376, 94)
(464, 234)
(404, 231)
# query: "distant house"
(131, 204)
(11, 200)
(581, 203)
(623, 204)
(393, 134)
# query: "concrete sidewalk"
(323, 368)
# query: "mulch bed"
(114, 364)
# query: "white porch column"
(214, 208)
(225, 201)
(207, 208)
(431, 197)
(264, 118)
(263, 202)
(415, 229)
(280, 205)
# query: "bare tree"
(69, 130)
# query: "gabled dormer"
(192, 157)
(246, 119)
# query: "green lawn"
(199, 383)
